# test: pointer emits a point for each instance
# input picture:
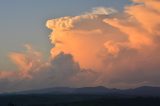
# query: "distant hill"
(99, 90)
(143, 91)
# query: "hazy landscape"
(87, 96)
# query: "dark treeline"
(77, 100)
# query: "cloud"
(102, 11)
(84, 39)
(100, 47)
(26, 62)
(121, 47)
(34, 73)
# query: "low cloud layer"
(100, 47)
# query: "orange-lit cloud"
(6, 74)
(26, 62)
(81, 36)
(115, 44)
(100, 47)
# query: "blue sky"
(23, 22)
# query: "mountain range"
(99, 90)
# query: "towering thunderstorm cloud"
(100, 47)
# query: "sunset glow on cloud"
(112, 43)
(100, 47)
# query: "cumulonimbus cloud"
(100, 47)
(121, 46)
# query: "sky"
(77, 43)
